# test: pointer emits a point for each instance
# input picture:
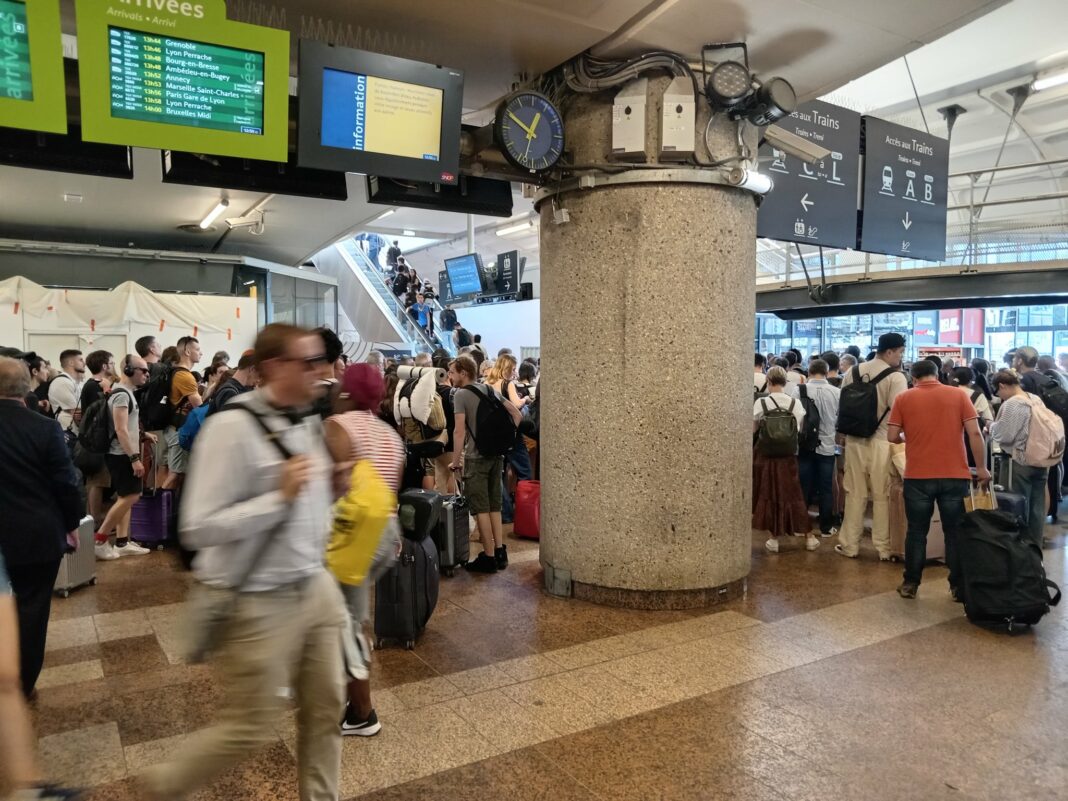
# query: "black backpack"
(157, 411)
(858, 405)
(760, 393)
(777, 432)
(1054, 396)
(1003, 580)
(95, 433)
(496, 431)
(808, 439)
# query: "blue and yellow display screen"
(15, 77)
(378, 115)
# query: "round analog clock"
(529, 131)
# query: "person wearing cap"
(867, 461)
(353, 434)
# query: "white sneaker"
(772, 545)
(132, 549)
(812, 543)
(105, 551)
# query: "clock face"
(530, 131)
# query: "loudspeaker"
(526, 291)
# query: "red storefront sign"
(949, 321)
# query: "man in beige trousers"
(867, 459)
(260, 483)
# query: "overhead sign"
(925, 328)
(508, 272)
(949, 326)
(178, 75)
(444, 288)
(814, 204)
(906, 173)
(33, 92)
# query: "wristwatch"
(136, 457)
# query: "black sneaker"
(353, 726)
(907, 590)
(501, 555)
(483, 563)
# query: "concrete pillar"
(647, 331)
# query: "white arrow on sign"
(907, 222)
(805, 202)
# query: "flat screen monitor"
(465, 274)
(33, 92)
(378, 115)
(183, 78)
(180, 82)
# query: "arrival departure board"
(16, 82)
(156, 78)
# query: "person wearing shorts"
(482, 475)
(123, 461)
(184, 398)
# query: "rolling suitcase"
(78, 568)
(405, 597)
(1008, 501)
(899, 524)
(528, 510)
(452, 535)
(152, 519)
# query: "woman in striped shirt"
(357, 433)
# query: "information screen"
(464, 274)
(379, 115)
(15, 78)
(157, 78)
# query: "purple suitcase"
(152, 519)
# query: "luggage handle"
(1056, 599)
(975, 496)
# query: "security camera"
(254, 222)
(794, 145)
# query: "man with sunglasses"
(256, 509)
(123, 461)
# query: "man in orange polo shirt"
(929, 419)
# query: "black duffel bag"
(1003, 580)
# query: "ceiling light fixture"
(213, 215)
(408, 232)
(1049, 81)
(515, 229)
(385, 214)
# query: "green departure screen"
(15, 78)
(156, 78)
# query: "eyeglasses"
(144, 370)
(309, 362)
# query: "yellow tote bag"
(360, 518)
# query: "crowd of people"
(833, 430)
(255, 491)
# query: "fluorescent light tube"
(213, 215)
(1049, 81)
(385, 214)
(515, 229)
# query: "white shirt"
(981, 404)
(64, 395)
(784, 401)
(760, 382)
(825, 396)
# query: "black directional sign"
(814, 204)
(444, 289)
(905, 177)
(508, 272)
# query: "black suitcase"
(405, 597)
(419, 511)
(453, 534)
(1003, 579)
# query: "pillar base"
(659, 599)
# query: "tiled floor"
(819, 684)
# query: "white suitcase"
(79, 568)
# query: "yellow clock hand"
(519, 122)
(533, 127)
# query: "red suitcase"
(527, 520)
